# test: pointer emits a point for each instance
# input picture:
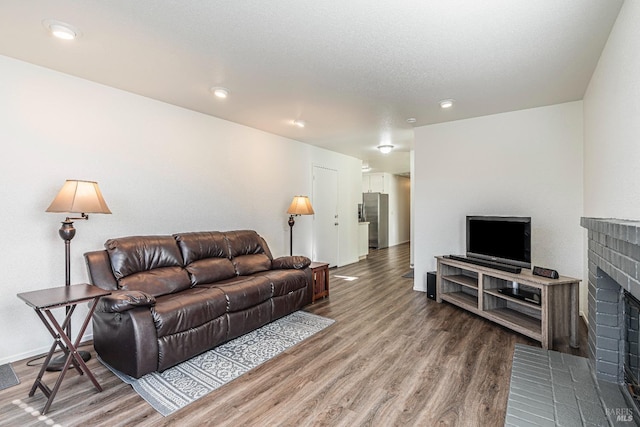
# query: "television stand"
(476, 288)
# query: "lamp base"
(57, 363)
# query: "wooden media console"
(476, 289)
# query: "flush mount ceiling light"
(446, 103)
(385, 149)
(411, 120)
(299, 123)
(220, 92)
(366, 168)
(61, 30)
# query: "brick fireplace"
(614, 267)
(558, 389)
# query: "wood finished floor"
(393, 358)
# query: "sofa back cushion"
(99, 269)
(151, 264)
(249, 252)
(206, 256)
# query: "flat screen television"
(505, 239)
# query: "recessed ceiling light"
(385, 149)
(220, 92)
(61, 30)
(446, 103)
(411, 120)
(299, 123)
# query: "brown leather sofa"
(174, 297)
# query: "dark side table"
(45, 300)
(320, 273)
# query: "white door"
(325, 220)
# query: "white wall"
(612, 127)
(612, 124)
(525, 163)
(162, 169)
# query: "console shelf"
(514, 300)
(516, 321)
(461, 299)
(475, 288)
(467, 281)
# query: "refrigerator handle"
(364, 211)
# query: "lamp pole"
(291, 222)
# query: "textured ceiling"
(353, 70)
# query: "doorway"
(325, 220)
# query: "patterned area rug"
(183, 384)
(8, 377)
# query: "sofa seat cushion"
(188, 309)
(244, 292)
(285, 281)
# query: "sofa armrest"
(127, 341)
(121, 301)
(291, 262)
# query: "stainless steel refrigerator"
(375, 207)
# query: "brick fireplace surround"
(614, 265)
(550, 388)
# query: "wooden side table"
(45, 300)
(320, 274)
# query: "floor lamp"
(79, 197)
(299, 206)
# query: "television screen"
(501, 239)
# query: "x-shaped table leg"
(69, 348)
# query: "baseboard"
(41, 351)
(348, 262)
(399, 243)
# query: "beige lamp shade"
(300, 206)
(79, 197)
